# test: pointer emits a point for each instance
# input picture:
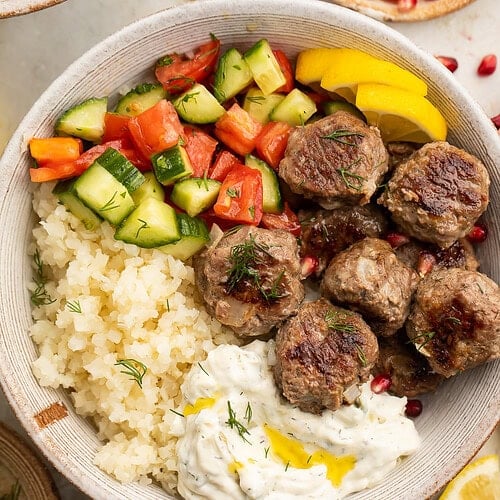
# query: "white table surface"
(34, 49)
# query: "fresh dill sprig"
(425, 336)
(110, 204)
(349, 178)
(248, 413)
(232, 192)
(176, 412)
(256, 99)
(134, 368)
(234, 423)
(453, 320)
(14, 492)
(335, 320)
(40, 296)
(203, 369)
(287, 465)
(144, 225)
(188, 97)
(74, 306)
(273, 293)
(361, 356)
(338, 136)
(266, 451)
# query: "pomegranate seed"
(308, 265)
(478, 233)
(488, 65)
(397, 240)
(413, 408)
(381, 383)
(426, 261)
(449, 62)
(406, 5)
(496, 121)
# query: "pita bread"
(388, 11)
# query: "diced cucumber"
(271, 195)
(121, 169)
(264, 67)
(195, 195)
(104, 194)
(194, 236)
(152, 224)
(150, 188)
(295, 109)
(85, 120)
(231, 76)
(198, 105)
(66, 195)
(171, 165)
(140, 98)
(259, 106)
(331, 107)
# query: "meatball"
(335, 161)
(325, 233)
(250, 280)
(370, 279)
(410, 372)
(455, 321)
(320, 353)
(438, 193)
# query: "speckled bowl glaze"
(9, 8)
(457, 419)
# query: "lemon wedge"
(480, 480)
(400, 115)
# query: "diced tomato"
(87, 158)
(287, 220)
(240, 196)
(156, 129)
(200, 148)
(54, 172)
(272, 141)
(178, 74)
(55, 150)
(286, 69)
(224, 162)
(238, 130)
(134, 157)
(116, 127)
(318, 97)
(210, 218)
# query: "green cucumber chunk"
(271, 194)
(198, 105)
(152, 224)
(121, 169)
(231, 76)
(171, 165)
(264, 67)
(260, 106)
(195, 195)
(194, 236)
(85, 120)
(140, 98)
(150, 188)
(331, 107)
(104, 194)
(65, 193)
(295, 109)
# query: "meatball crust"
(410, 372)
(370, 279)
(455, 320)
(325, 233)
(250, 280)
(320, 353)
(336, 161)
(438, 193)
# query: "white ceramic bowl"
(9, 8)
(456, 420)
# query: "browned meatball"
(320, 353)
(410, 372)
(250, 280)
(455, 321)
(370, 279)
(438, 193)
(336, 161)
(325, 233)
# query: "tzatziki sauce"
(238, 438)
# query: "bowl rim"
(194, 10)
(11, 8)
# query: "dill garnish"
(266, 451)
(40, 296)
(335, 320)
(309, 459)
(361, 356)
(74, 306)
(176, 412)
(14, 492)
(453, 320)
(348, 177)
(425, 336)
(232, 192)
(203, 369)
(338, 135)
(187, 98)
(134, 368)
(287, 465)
(110, 204)
(234, 423)
(256, 99)
(273, 294)
(248, 413)
(144, 225)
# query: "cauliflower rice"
(135, 303)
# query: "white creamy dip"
(240, 439)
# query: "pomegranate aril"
(426, 262)
(488, 65)
(381, 383)
(449, 62)
(308, 265)
(478, 233)
(406, 5)
(397, 240)
(496, 121)
(413, 408)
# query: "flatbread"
(388, 11)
